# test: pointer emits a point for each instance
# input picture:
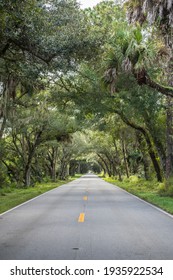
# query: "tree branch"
(168, 91)
(46, 58)
(5, 48)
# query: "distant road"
(86, 219)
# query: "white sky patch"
(88, 3)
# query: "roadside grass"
(12, 196)
(150, 191)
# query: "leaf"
(138, 35)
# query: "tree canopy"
(85, 90)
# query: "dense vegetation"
(86, 90)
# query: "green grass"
(11, 196)
(148, 190)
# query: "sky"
(88, 3)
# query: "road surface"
(87, 219)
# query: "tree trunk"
(101, 164)
(118, 169)
(54, 163)
(8, 92)
(110, 164)
(156, 140)
(53, 175)
(153, 157)
(63, 172)
(125, 157)
(106, 165)
(27, 175)
(169, 139)
(3, 110)
(145, 159)
(151, 151)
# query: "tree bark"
(52, 157)
(101, 164)
(27, 175)
(151, 151)
(125, 157)
(106, 165)
(8, 93)
(31, 151)
(169, 139)
(145, 159)
(166, 90)
(156, 140)
(3, 110)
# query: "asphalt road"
(86, 219)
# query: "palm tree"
(134, 52)
(154, 11)
(159, 13)
(131, 54)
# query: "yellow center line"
(81, 218)
(85, 198)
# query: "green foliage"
(80, 87)
(34, 135)
(133, 179)
(166, 189)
